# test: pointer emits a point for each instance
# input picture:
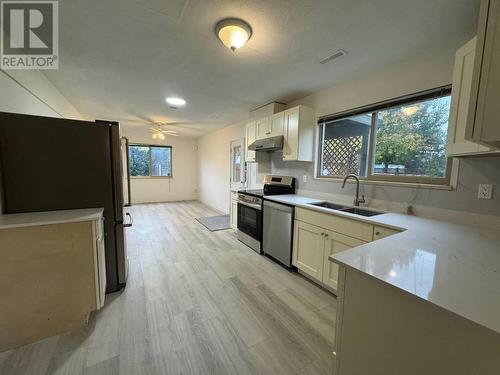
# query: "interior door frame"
(241, 142)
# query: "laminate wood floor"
(196, 302)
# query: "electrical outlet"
(304, 178)
(485, 191)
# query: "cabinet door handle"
(322, 234)
(377, 233)
(326, 235)
(268, 133)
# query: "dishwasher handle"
(278, 207)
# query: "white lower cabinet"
(382, 232)
(308, 249)
(99, 262)
(335, 243)
(234, 210)
(313, 243)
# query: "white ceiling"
(120, 59)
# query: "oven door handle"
(255, 206)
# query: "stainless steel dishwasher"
(277, 232)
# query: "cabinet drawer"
(348, 227)
(382, 232)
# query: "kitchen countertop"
(455, 267)
(30, 219)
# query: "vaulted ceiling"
(120, 59)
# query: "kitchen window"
(150, 161)
(401, 140)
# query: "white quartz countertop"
(30, 219)
(455, 267)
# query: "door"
(276, 124)
(335, 243)
(483, 111)
(263, 129)
(251, 133)
(250, 220)
(237, 164)
(308, 249)
(460, 99)
(291, 134)
(234, 213)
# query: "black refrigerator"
(49, 164)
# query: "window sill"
(364, 181)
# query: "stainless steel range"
(250, 208)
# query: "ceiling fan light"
(233, 32)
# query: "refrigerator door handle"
(131, 223)
(127, 156)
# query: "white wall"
(214, 161)
(30, 92)
(214, 166)
(183, 184)
(392, 82)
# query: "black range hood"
(267, 144)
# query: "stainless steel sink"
(331, 206)
(352, 210)
(361, 211)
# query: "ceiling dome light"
(176, 102)
(233, 32)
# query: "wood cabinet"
(298, 133)
(234, 210)
(483, 123)
(99, 262)
(457, 144)
(250, 137)
(52, 274)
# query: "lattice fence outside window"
(342, 156)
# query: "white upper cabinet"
(296, 125)
(457, 145)
(268, 127)
(276, 124)
(483, 124)
(263, 128)
(298, 132)
(250, 137)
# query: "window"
(150, 161)
(400, 140)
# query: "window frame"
(438, 182)
(149, 146)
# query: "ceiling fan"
(160, 133)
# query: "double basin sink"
(352, 210)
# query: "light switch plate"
(485, 191)
(304, 178)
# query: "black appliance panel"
(250, 221)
